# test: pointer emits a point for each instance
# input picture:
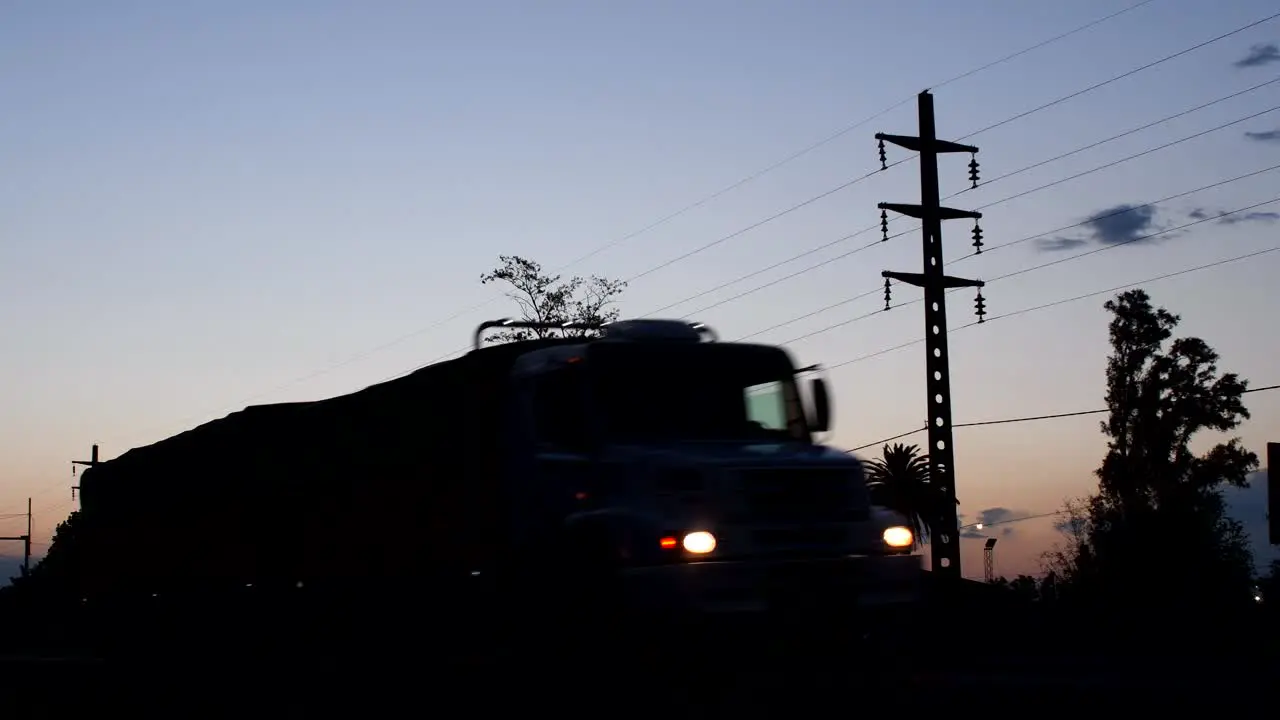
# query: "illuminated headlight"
(699, 543)
(898, 537)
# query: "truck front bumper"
(857, 583)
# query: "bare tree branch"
(552, 299)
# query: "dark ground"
(780, 686)
(975, 654)
(992, 659)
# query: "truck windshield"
(703, 392)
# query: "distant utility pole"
(26, 542)
(989, 560)
(945, 551)
(91, 462)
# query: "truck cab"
(684, 473)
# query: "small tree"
(542, 297)
(1157, 529)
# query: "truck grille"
(790, 495)
(801, 536)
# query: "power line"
(850, 128)
(1028, 418)
(1063, 301)
(779, 281)
(849, 183)
(819, 311)
(765, 221)
(42, 493)
(1054, 416)
(1135, 156)
(1041, 266)
(1006, 521)
(1021, 194)
(899, 436)
(992, 248)
(1126, 133)
(702, 248)
(1037, 46)
(1121, 76)
(1044, 306)
(1005, 176)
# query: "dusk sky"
(207, 205)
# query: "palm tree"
(900, 482)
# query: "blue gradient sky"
(202, 202)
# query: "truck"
(641, 466)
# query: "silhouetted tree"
(1066, 559)
(899, 480)
(1157, 532)
(58, 571)
(1025, 587)
(1048, 587)
(542, 297)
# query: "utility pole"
(945, 550)
(26, 542)
(989, 560)
(91, 462)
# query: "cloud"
(1121, 224)
(990, 516)
(1262, 217)
(1222, 218)
(993, 516)
(1259, 55)
(1264, 136)
(1117, 225)
(1060, 243)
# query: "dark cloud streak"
(1222, 217)
(1058, 244)
(1116, 225)
(1257, 216)
(1264, 136)
(1122, 224)
(1259, 55)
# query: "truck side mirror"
(820, 417)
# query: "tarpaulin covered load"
(401, 478)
